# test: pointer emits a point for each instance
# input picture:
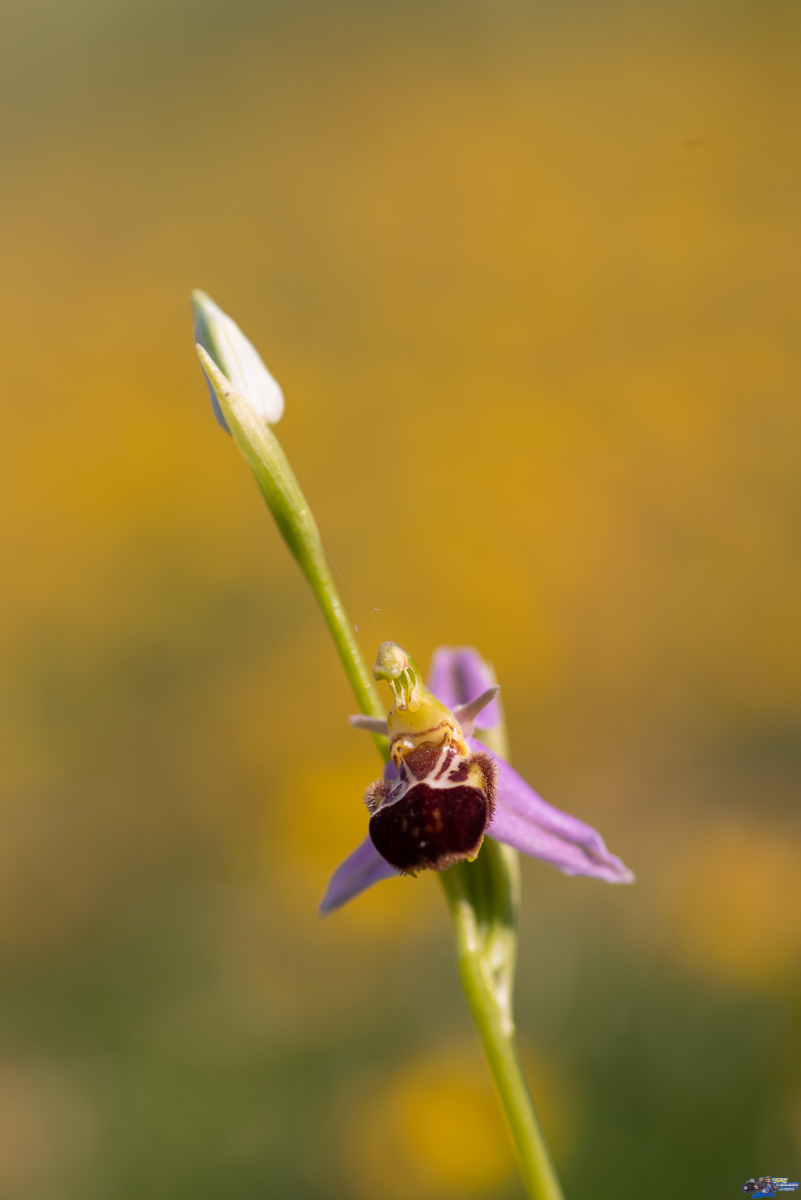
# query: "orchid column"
(448, 799)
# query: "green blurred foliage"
(533, 267)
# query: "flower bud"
(239, 361)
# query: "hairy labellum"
(436, 812)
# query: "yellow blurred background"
(534, 266)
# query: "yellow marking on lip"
(446, 733)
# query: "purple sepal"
(359, 871)
(458, 676)
(528, 823)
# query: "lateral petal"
(459, 675)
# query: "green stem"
(483, 894)
(297, 526)
(489, 1000)
(484, 897)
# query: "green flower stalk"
(248, 415)
(448, 799)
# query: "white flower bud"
(239, 361)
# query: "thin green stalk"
(484, 898)
(482, 895)
(297, 526)
(482, 912)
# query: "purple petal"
(524, 820)
(359, 871)
(458, 676)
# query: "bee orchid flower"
(443, 790)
